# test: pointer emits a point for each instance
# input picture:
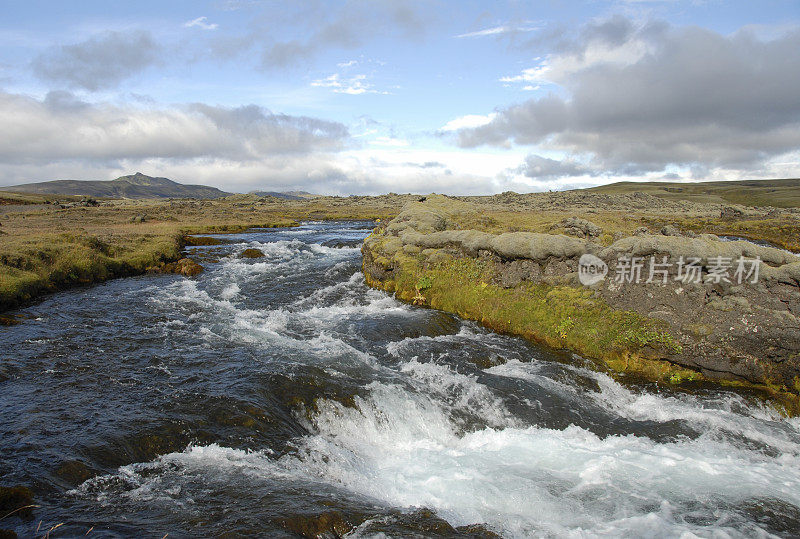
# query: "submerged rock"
(74, 472)
(17, 500)
(330, 524)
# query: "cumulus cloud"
(61, 127)
(468, 121)
(99, 62)
(639, 98)
(236, 149)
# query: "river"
(269, 391)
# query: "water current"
(267, 392)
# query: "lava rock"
(575, 226)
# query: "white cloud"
(355, 85)
(100, 62)
(557, 68)
(468, 121)
(201, 22)
(527, 26)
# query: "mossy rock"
(185, 266)
(698, 331)
(251, 253)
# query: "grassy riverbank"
(44, 247)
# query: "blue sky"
(375, 96)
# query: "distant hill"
(288, 195)
(784, 193)
(134, 186)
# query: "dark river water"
(267, 391)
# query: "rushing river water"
(266, 391)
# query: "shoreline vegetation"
(53, 242)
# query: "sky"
(376, 96)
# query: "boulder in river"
(252, 253)
(187, 267)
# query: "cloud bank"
(62, 127)
(639, 99)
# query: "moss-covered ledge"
(497, 283)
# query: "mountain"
(781, 193)
(288, 195)
(133, 186)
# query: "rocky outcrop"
(742, 324)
